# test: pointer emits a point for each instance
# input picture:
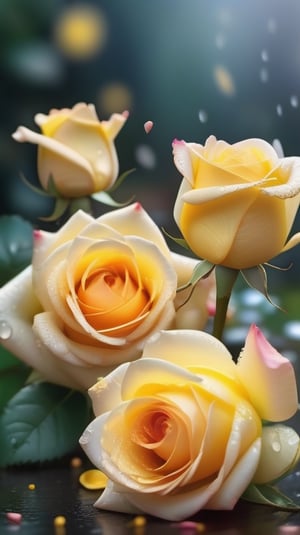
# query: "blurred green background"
(194, 67)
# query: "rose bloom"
(96, 290)
(180, 429)
(236, 203)
(75, 149)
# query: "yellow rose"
(96, 290)
(236, 203)
(75, 149)
(180, 429)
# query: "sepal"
(269, 495)
(256, 278)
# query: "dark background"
(195, 67)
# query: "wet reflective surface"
(58, 492)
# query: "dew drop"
(5, 330)
(264, 55)
(276, 446)
(294, 101)
(202, 116)
(279, 110)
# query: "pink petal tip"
(148, 126)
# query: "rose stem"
(225, 279)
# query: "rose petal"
(93, 479)
(280, 452)
(113, 499)
(203, 195)
(201, 351)
(134, 220)
(18, 306)
(294, 240)
(23, 134)
(289, 168)
(268, 377)
(106, 393)
(48, 330)
(47, 242)
(159, 372)
(238, 480)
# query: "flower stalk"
(225, 280)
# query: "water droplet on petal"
(202, 116)
(279, 110)
(264, 55)
(5, 330)
(294, 101)
(276, 446)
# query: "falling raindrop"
(294, 101)
(220, 41)
(264, 75)
(5, 330)
(145, 156)
(272, 25)
(279, 110)
(278, 148)
(202, 116)
(264, 55)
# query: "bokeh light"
(81, 31)
(224, 80)
(115, 97)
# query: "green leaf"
(11, 381)
(7, 359)
(16, 242)
(105, 198)
(256, 278)
(269, 495)
(41, 422)
(34, 188)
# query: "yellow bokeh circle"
(115, 97)
(80, 31)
